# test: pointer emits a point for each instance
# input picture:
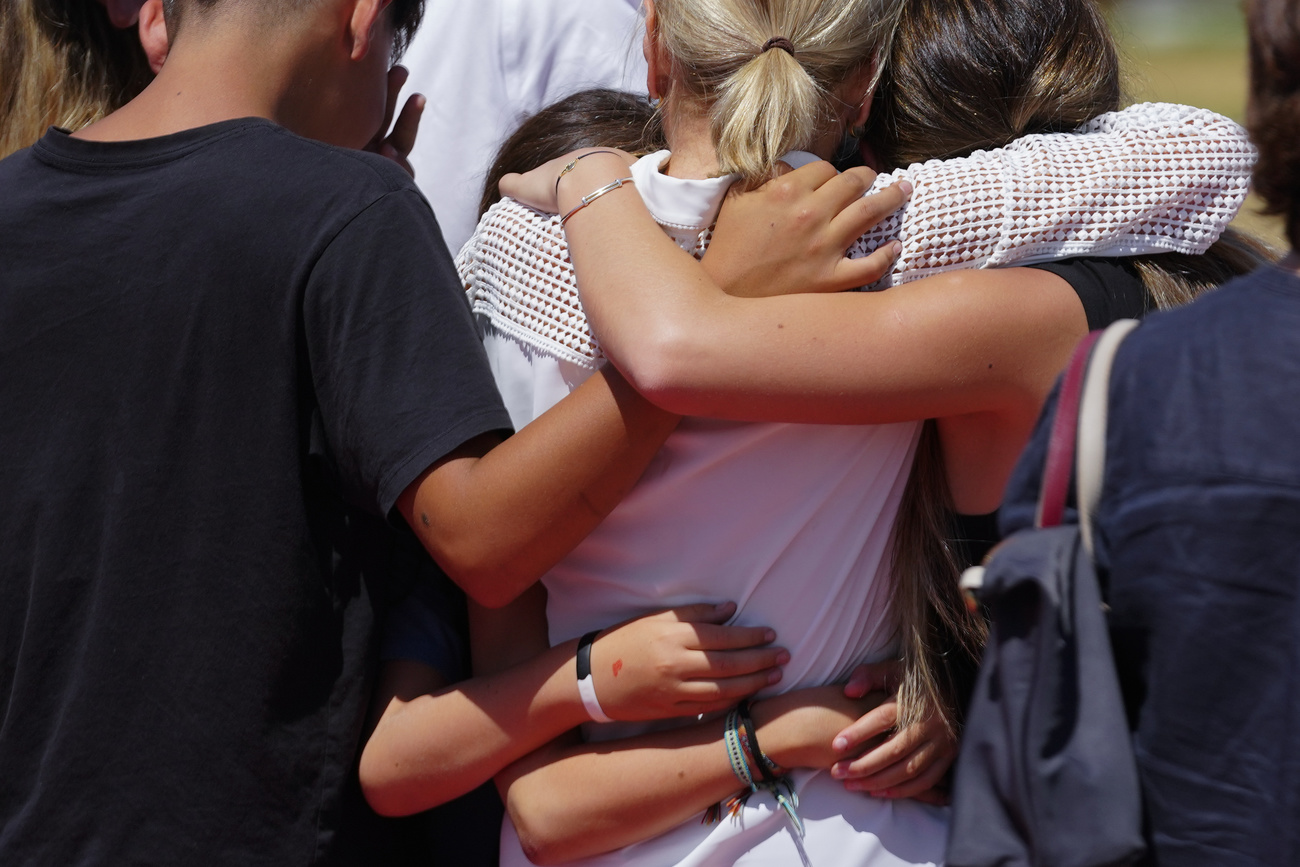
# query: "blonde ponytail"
(768, 73)
(770, 107)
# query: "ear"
(657, 80)
(855, 94)
(361, 27)
(153, 34)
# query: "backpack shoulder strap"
(1091, 466)
(1059, 464)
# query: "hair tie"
(778, 42)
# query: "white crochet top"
(1151, 178)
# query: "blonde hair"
(63, 64)
(764, 101)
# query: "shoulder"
(1108, 288)
(1251, 307)
(314, 163)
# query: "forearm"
(620, 792)
(615, 793)
(497, 520)
(430, 748)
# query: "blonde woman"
(795, 522)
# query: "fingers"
(402, 138)
(397, 77)
(908, 763)
(892, 752)
(810, 177)
(846, 188)
(853, 273)
(869, 726)
(873, 676)
(709, 636)
(864, 213)
(725, 691)
(917, 775)
(729, 663)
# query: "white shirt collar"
(688, 203)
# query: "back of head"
(589, 118)
(965, 75)
(1274, 111)
(969, 74)
(767, 71)
(62, 63)
(405, 15)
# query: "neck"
(221, 70)
(686, 127)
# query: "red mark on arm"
(618, 666)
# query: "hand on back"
(883, 761)
(682, 662)
(790, 235)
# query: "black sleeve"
(1110, 289)
(400, 376)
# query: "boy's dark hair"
(1273, 115)
(589, 118)
(406, 16)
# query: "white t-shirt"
(486, 65)
(791, 522)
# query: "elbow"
(381, 786)
(492, 584)
(484, 568)
(663, 365)
(542, 836)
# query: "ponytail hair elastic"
(778, 42)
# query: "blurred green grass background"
(1192, 52)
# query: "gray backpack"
(1046, 776)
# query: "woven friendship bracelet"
(768, 770)
(736, 753)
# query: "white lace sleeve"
(1149, 179)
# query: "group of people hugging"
(649, 505)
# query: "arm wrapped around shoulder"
(1152, 178)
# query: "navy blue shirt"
(1198, 538)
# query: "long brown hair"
(965, 75)
(62, 63)
(1274, 109)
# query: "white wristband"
(587, 685)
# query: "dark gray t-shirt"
(224, 354)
